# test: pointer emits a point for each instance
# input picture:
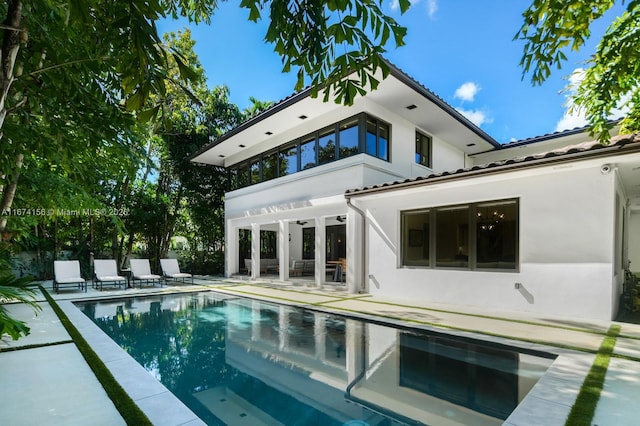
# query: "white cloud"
(467, 91)
(476, 116)
(575, 117)
(432, 8)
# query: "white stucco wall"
(565, 246)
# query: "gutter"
(363, 246)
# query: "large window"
(496, 234)
(359, 134)
(423, 149)
(415, 242)
(327, 146)
(288, 160)
(270, 166)
(377, 140)
(470, 236)
(349, 144)
(452, 237)
(307, 154)
(254, 171)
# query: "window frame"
(473, 238)
(420, 153)
(313, 139)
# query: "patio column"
(320, 251)
(356, 253)
(283, 249)
(255, 251)
(231, 249)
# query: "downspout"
(364, 242)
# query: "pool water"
(240, 361)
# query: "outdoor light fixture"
(241, 146)
(412, 106)
(268, 133)
(302, 117)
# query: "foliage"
(13, 289)
(612, 79)
(584, 408)
(308, 34)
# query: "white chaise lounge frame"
(141, 271)
(67, 272)
(171, 270)
(106, 271)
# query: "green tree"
(612, 78)
(89, 57)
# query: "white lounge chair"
(141, 271)
(106, 271)
(171, 269)
(67, 272)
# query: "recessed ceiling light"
(302, 117)
(412, 106)
(268, 133)
(221, 156)
(471, 144)
(241, 146)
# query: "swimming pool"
(241, 361)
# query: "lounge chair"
(171, 269)
(106, 271)
(141, 271)
(67, 272)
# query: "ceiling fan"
(340, 218)
(301, 222)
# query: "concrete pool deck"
(45, 380)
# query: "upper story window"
(327, 146)
(307, 154)
(423, 149)
(348, 137)
(288, 159)
(359, 134)
(377, 138)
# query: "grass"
(584, 408)
(128, 409)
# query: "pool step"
(232, 409)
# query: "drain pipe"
(364, 242)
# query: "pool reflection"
(241, 361)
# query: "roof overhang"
(397, 93)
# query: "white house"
(415, 202)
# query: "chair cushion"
(111, 278)
(147, 277)
(70, 280)
(180, 275)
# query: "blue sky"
(462, 50)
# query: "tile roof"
(583, 150)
